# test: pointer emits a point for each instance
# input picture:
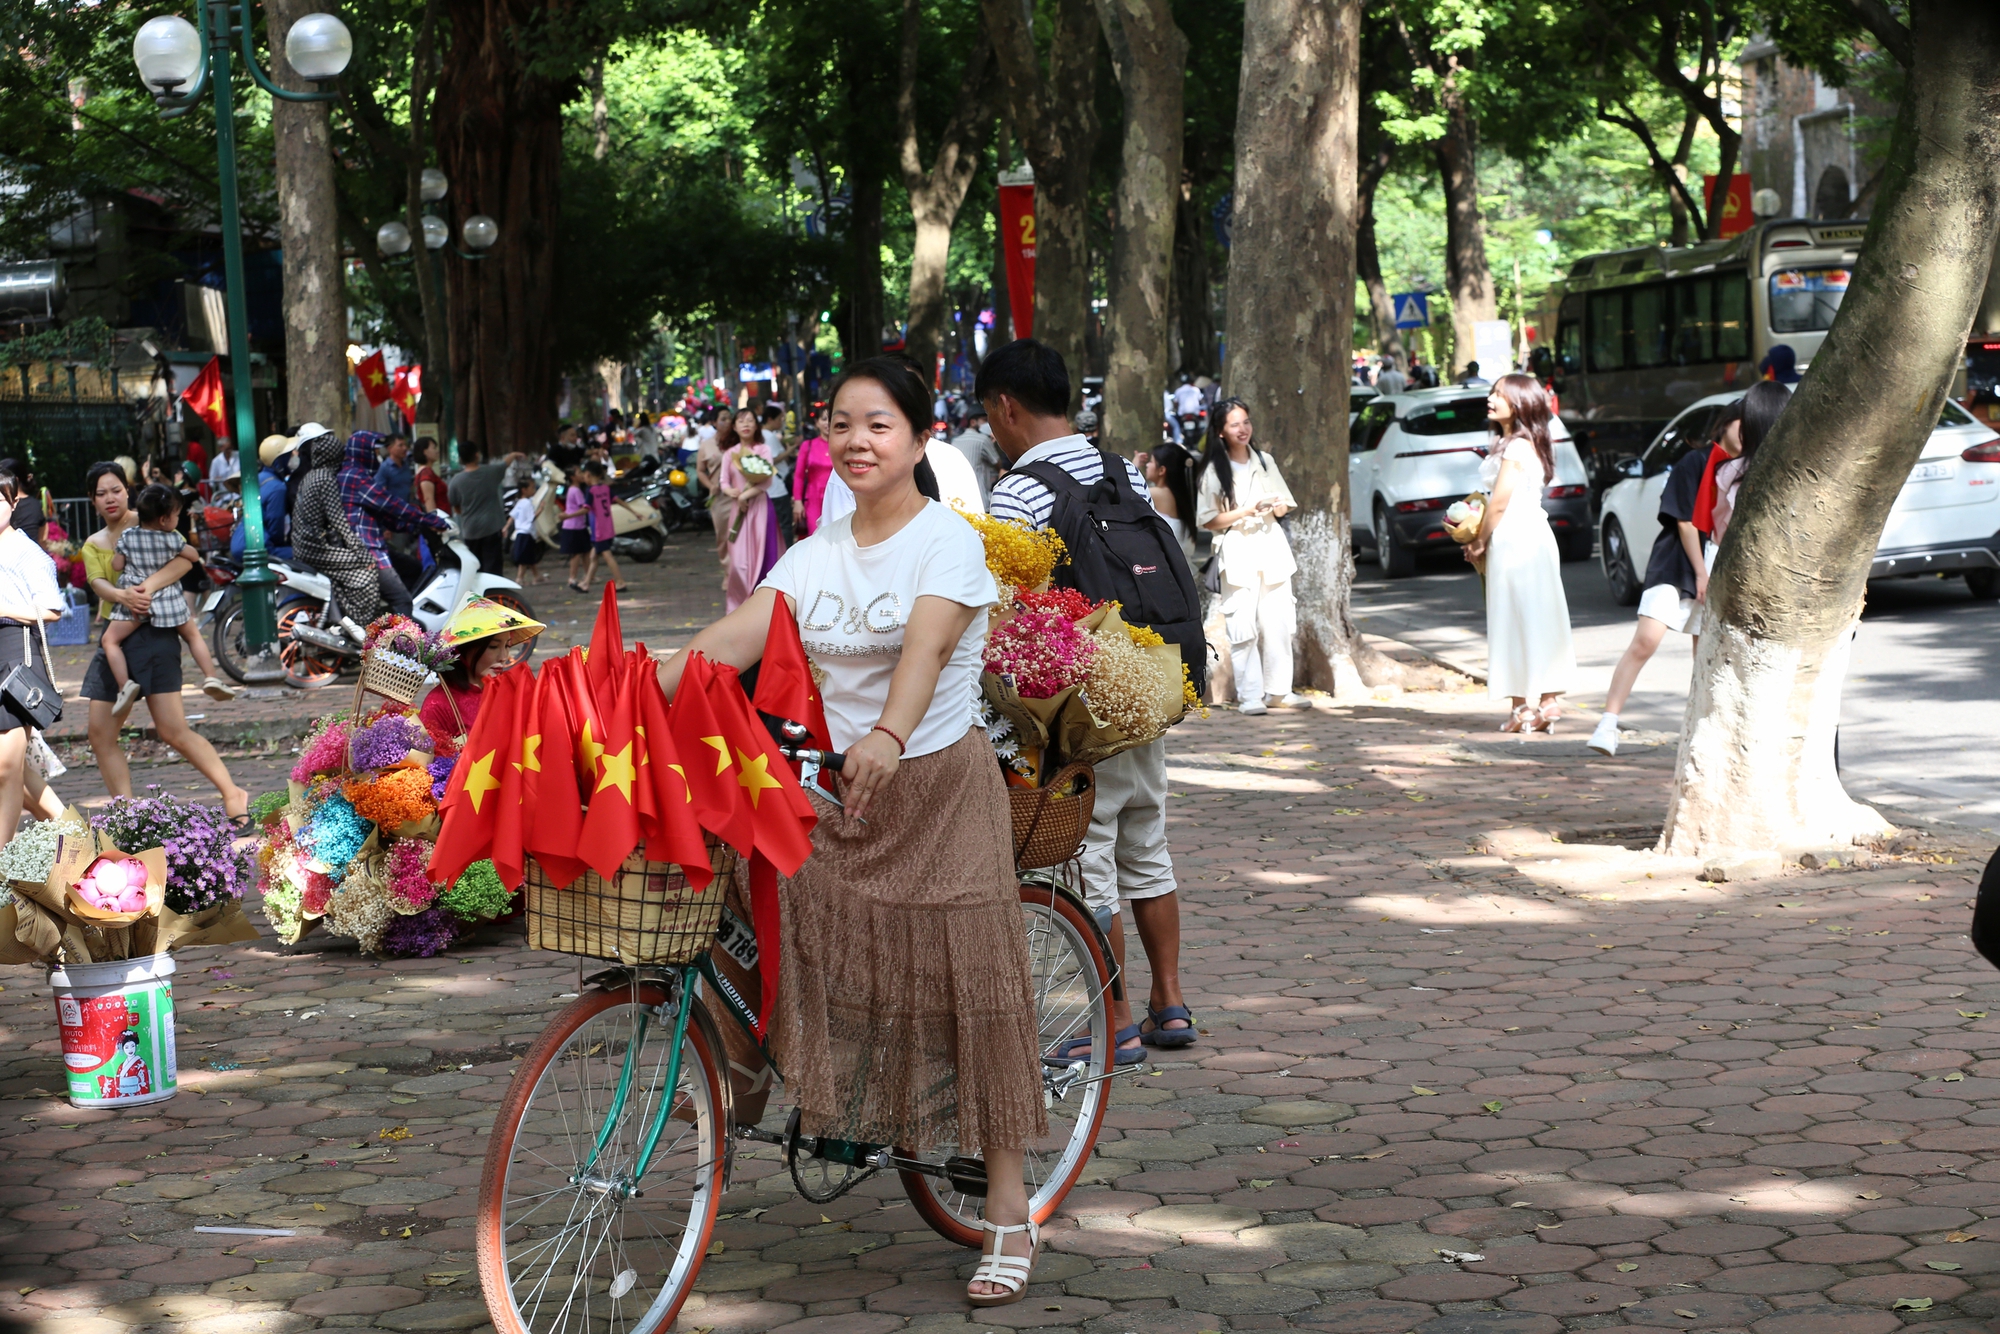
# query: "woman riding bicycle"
(902, 934)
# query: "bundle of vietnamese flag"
(582, 763)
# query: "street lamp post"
(176, 69)
(479, 232)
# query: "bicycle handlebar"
(830, 760)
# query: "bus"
(1643, 333)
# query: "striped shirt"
(1025, 499)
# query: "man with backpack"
(1120, 549)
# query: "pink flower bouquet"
(114, 884)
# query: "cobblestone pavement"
(1469, 1064)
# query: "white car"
(1947, 518)
(1410, 455)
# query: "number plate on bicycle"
(737, 940)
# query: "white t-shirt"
(854, 601)
(1188, 401)
(523, 515)
(957, 483)
(777, 490)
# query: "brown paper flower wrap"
(50, 922)
(1064, 729)
(1463, 533)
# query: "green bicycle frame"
(622, 1094)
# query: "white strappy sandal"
(1009, 1272)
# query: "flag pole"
(260, 625)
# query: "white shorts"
(1125, 854)
(1664, 603)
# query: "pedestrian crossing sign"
(1413, 310)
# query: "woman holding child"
(152, 653)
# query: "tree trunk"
(1056, 118)
(865, 307)
(1291, 289)
(1728, 143)
(1194, 297)
(499, 137)
(309, 230)
(1467, 274)
(1368, 259)
(937, 192)
(438, 372)
(1149, 56)
(1003, 313)
(600, 111)
(1755, 770)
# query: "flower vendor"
(480, 634)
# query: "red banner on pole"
(1736, 215)
(1017, 238)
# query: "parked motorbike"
(639, 531)
(317, 641)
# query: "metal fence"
(60, 436)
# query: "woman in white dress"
(1529, 654)
(1242, 496)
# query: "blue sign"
(1413, 310)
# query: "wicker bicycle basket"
(392, 675)
(1050, 821)
(645, 913)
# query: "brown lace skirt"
(905, 1012)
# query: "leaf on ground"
(1262, 1185)
(715, 1248)
(1942, 1266)
(1954, 1077)
(407, 1233)
(1627, 1267)
(1495, 1107)
(1686, 1315)
(1547, 1227)
(1911, 1304)
(393, 1132)
(1960, 1236)
(1463, 1257)
(1972, 1014)
(319, 1208)
(1423, 1092)
(1869, 1195)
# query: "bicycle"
(612, 1150)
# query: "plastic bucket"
(117, 1022)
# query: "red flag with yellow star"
(549, 785)
(476, 803)
(373, 372)
(611, 825)
(606, 661)
(782, 817)
(666, 807)
(565, 678)
(717, 797)
(785, 685)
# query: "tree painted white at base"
(1322, 546)
(1756, 771)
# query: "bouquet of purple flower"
(202, 867)
(387, 741)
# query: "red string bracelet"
(901, 745)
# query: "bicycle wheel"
(1072, 980)
(562, 1251)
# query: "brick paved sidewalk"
(1430, 1027)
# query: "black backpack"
(1121, 550)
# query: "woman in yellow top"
(159, 655)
